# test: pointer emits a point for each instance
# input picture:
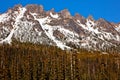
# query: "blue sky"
(107, 9)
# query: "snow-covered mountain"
(32, 24)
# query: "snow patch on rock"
(54, 15)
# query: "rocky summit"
(33, 24)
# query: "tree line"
(27, 61)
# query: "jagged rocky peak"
(90, 17)
(35, 8)
(101, 20)
(16, 7)
(65, 13)
(80, 17)
(50, 12)
(108, 27)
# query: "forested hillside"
(26, 61)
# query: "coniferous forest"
(27, 61)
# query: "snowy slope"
(4, 17)
(33, 24)
(49, 32)
(15, 26)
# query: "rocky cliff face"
(32, 24)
